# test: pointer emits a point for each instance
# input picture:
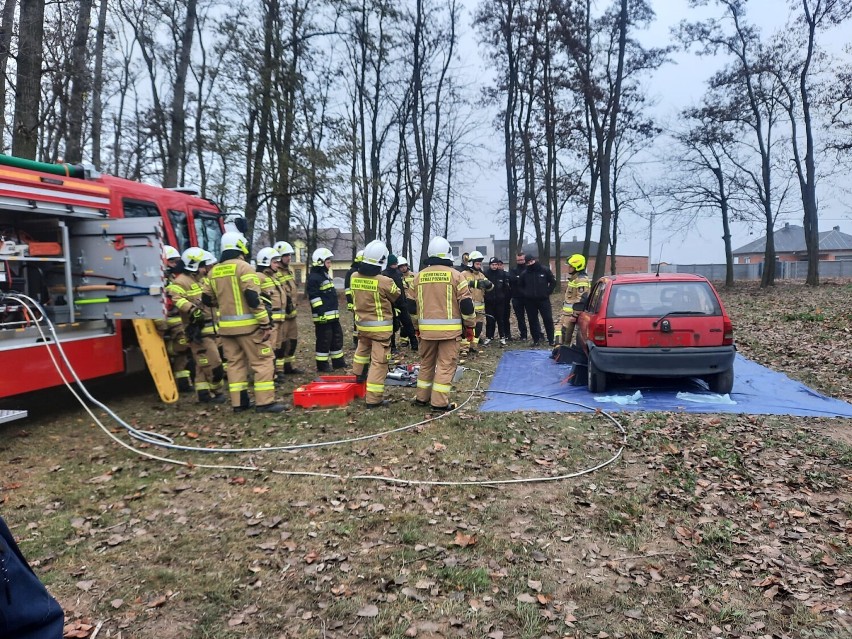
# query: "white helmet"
(401, 261)
(265, 256)
(440, 248)
(283, 248)
(170, 253)
(209, 258)
(376, 253)
(235, 241)
(192, 258)
(475, 256)
(320, 256)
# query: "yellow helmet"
(577, 261)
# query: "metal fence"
(783, 270)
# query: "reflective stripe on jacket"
(322, 295)
(578, 283)
(373, 297)
(229, 281)
(439, 290)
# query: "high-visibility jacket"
(322, 295)
(408, 281)
(185, 294)
(477, 283)
(578, 283)
(288, 281)
(235, 289)
(440, 290)
(373, 297)
(273, 293)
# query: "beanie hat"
(529, 257)
(392, 259)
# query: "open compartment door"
(116, 269)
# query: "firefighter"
(326, 315)
(274, 295)
(374, 296)
(444, 311)
(289, 332)
(172, 327)
(477, 284)
(402, 320)
(186, 291)
(350, 302)
(244, 326)
(410, 303)
(578, 285)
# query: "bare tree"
(80, 82)
(98, 84)
(7, 23)
(28, 82)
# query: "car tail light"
(728, 334)
(598, 332)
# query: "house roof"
(566, 248)
(791, 239)
(340, 243)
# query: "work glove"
(196, 317)
(417, 333)
(350, 306)
(469, 333)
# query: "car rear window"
(652, 299)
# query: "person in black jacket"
(27, 611)
(537, 283)
(518, 295)
(325, 313)
(402, 318)
(496, 301)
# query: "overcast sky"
(674, 86)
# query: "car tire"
(721, 383)
(597, 379)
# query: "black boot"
(362, 378)
(184, 385)
(289, 369)
(271, 408)
(323, 367)
(207, 397)
(245, 402)
(338, 363)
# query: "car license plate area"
(658, 338)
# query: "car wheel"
(597, 379)
(721, 383)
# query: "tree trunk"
(178, 110)
(767, 278)
(6, 27)
(98, 86)
(79, 83)
(28, 85)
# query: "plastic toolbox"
(360, 387)
(323, 394)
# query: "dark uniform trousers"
(440, 356)
(534, 307)
(520, 314)
(239, 351)
(329, 345)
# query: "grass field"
(707, 526)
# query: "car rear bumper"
(663, 362)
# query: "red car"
(665, 325)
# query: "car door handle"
(613, 331)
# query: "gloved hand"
(417, 333)
(475, 283)
(196, 317)
(469, 333)
(266, 330)
(350, 306)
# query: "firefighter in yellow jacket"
(373, 296)
(477, 283)
(244, 326)
(171, 328)
(185, 291)
(285, 354)
(444, 311)
(578, 284)
(273, 295)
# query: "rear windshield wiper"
(657, 321)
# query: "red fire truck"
(88, 248)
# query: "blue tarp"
(757, 390)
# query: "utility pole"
(651, 243)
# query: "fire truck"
(88, 248)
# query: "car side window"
(596, 296)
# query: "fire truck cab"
(88, 248)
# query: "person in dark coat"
(27, 611)
(537, 283)
(402, 321)
(496, 301)
(518, 295)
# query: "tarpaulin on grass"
(757, 390)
